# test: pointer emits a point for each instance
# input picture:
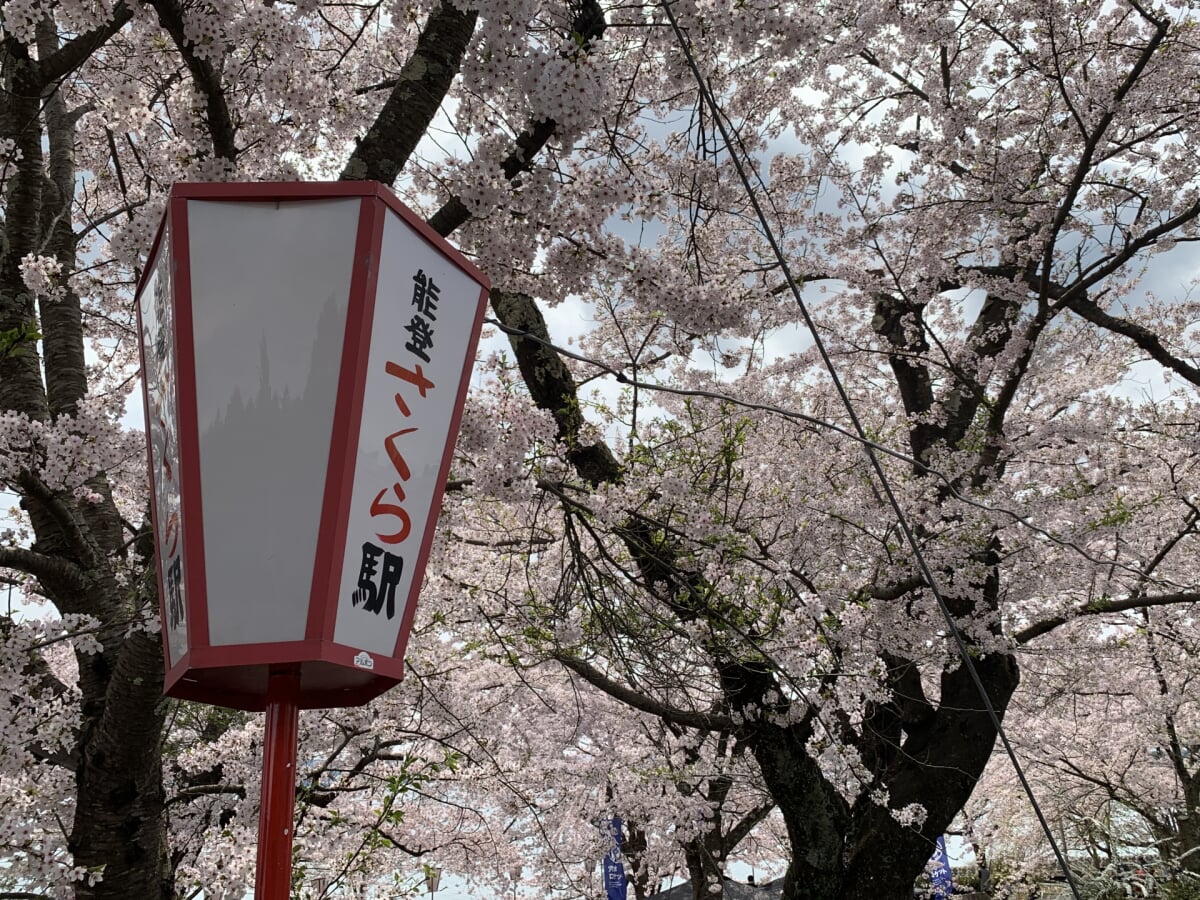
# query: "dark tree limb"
(551, 385)
(1101, 607)
(20, 372)
(896, 589)
(205, 77)
(75, 52)
(900, 324)
(588, 27)
(49, 507)
(52, 570)
(684, 717)
(62, 321)
(1141, 336)
(118, 817)
(415, 97)
(747, 823)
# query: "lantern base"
(238, 677)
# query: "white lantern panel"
(270, 289)
(425, 309)
(157, 309)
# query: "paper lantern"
(306, 350)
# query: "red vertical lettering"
(416, 378)
(398, 463)
(379, 508)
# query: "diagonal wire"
(885, 485)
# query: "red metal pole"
(276, 815)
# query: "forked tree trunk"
(862, 852)
(117, 833)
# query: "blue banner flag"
(615, 883)
(941, 877)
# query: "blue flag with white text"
(615, 884)
(942, 879)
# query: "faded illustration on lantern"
(162, 385)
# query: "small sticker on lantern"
(364, 660)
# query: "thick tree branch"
(900, 324)
(895, 590)
(588, 26)
(21, 387)
(1084, 167)
(684, 717)
(51, 570)
(120, 758)
(1100, 607)
(206, 79)
(551, 385)
(1143, 337)
(884, 723)
(195, 791)
(73, 54)
(77, 541)
(415, 97)
(747, 823)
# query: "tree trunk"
(862, 852)
(1186, 843)
(815, 815)
(120, 825)
(118, 833)
(705, 867)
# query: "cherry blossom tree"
(671, 527)
(1112, 756)
(981, 271)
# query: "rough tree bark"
(118, 829)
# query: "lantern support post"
(276, 818)
(299, 279)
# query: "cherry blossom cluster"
(918, 162)
(67, 453)
(39, 714)
(501, 432)
(43, 276)
(21, 19)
